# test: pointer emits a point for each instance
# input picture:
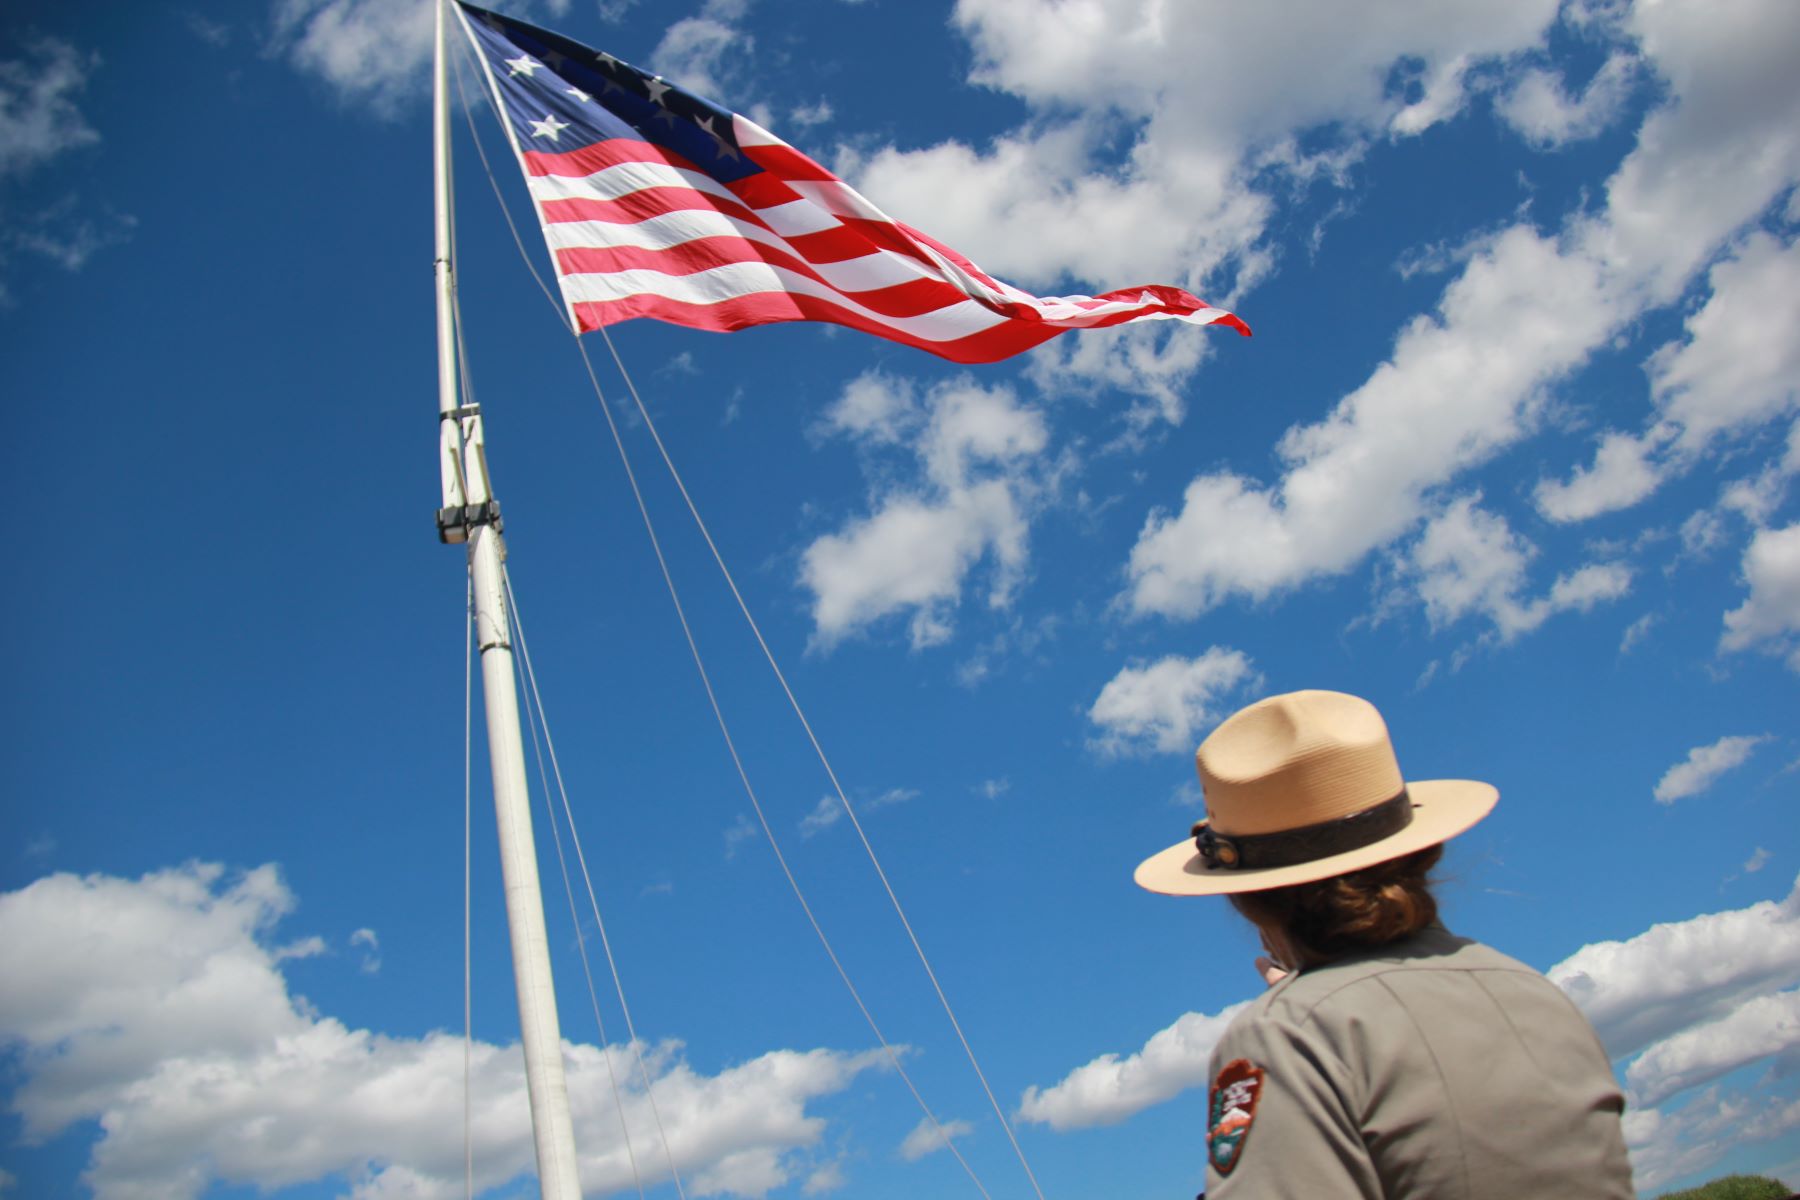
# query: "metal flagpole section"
(470, 515)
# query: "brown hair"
(1355, 911)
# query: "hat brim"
(1442, 808)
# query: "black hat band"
(1288, 847)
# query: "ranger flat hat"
(1302, 787)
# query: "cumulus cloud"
(371, 948)
(1683, 973)
(1527, 309)
(1109, 1089)
(830, 810)
(372, 52)
(927, 1138)
(1734, 370)
(977, 476)
(1636, 632)
(1622, 474)
(1694, 1001)
(1756, 1030)
(1737, 366)
(39, 117)
(1703, 765)
(157, 1008)
(1520, 314)
(1165, 705)
(699, 52)
(1468, 560)
(41, 121)
(741, 830)
(1537, 103)
(1769, 618)
(1669, 1145)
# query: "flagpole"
(471, 515)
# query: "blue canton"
(560, 95)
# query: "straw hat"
(1303, 787)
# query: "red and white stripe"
(638, 231)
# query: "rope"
(818, 749)
(750, 791)
(468, 972)
(535, 703)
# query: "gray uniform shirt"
(1430, 1068)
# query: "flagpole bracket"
(457, 522)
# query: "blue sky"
(1512, 454)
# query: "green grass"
(1735, 1187)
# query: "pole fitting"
(455, 523)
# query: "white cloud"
(827, 1178)
(1703, 765)
(39, 119)
(830, 810)
(1756, 862)
(699, 53)
(979, 477)
(1109, 1089)
(826, 813)
(1668, 1146)
(1526, 310)
(1150, 361)
(1636, 632)
(1622, 475)
(1679, 974)
(1538, 105)
(927, 1138)
(1735, 370)
(374, 52)
(1163, 706)
(1755, 1030)
(1770, 616)
(1520, 314)
(157, 1008)
(1469, 561)
(371, 946)
(1739, 365)
(741, 830)
(306, 947)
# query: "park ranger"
(1389, 1058)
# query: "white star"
(548, 127)
(523, 65)
(657, 88)
(726, 149)
(606, 60)
(579, 94)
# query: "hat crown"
(1295, 760)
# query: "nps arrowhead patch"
(1231, 1108)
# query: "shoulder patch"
(1231, 1107)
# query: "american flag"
(657, 203)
